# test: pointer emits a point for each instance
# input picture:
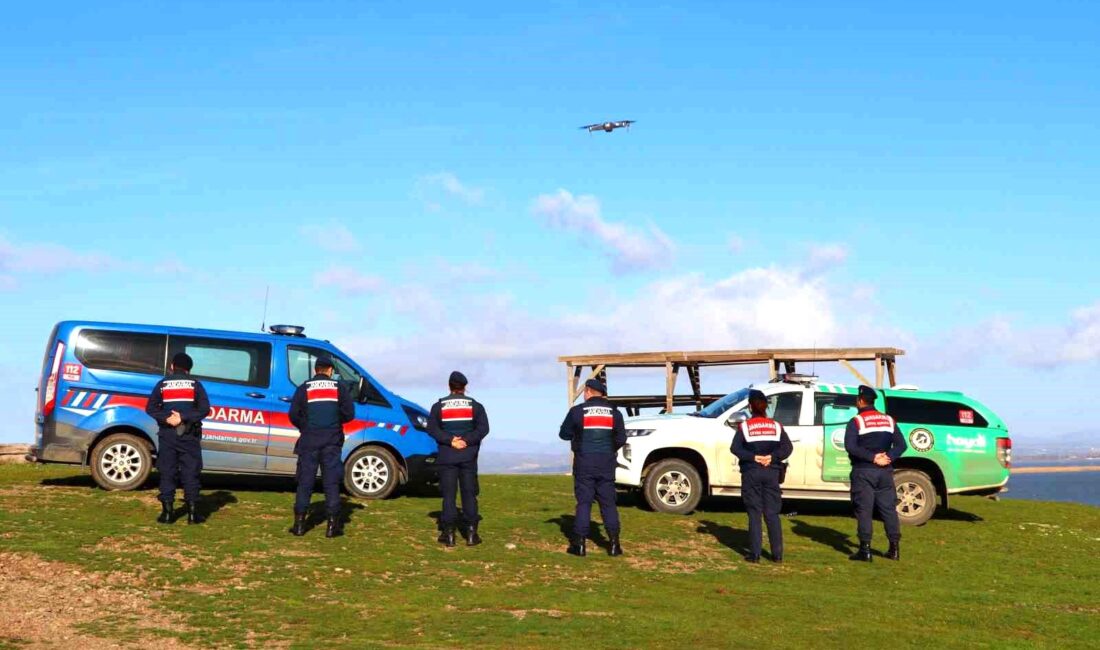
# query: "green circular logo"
(921, 439)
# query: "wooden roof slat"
(731, 357)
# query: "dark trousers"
(761, 492)
(873, 491)
(594, 479)
(455, 477)
(328, 457)
(179, 458)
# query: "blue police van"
(96, 378)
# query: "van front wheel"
(121, 461)
(371, 473)
(916, 497)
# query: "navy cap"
(457, 379)
(755, 395)
(323, 362)
(183, 361)
(596, 385)
(868, 394)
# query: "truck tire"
(673, 486)
(121, 461)
(371, 473)
(916, 501)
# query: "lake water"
(1076, 487)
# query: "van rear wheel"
(916, 500)
(121, 461)
(371, 473)
(673, 486)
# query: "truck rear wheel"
(371, 473)
(121, 461)
(916, 501)
(673, 486)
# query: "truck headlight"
(626, 453)
(634, 433)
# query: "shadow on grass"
(78, 480)
(834, 539)
(316, 515)
(211, 502)
(595, 531)
(732, 538)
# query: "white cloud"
(630, 248)
(347, 280)
(450, 185)
(825, 256)
(39, 258)
(1076, 342)
(331, 236)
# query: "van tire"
(673, 486)
(371, 473)
(917, 498)
(121, 461)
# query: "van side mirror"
(834, 415)
(736, 419)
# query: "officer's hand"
(458, 443)
(881, 459)
(174, 419)
(764, 460)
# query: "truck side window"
(821, 400)
(927, 411)
(785, 408)
(225, 360)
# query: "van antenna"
(263, 322)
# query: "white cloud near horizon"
(629, 248)
(450, 186)
(347, 280)
(332, 236)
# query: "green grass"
(984, 574)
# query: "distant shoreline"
(1052, 469)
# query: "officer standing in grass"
(873, 442)
(761, 444)
(319, 409)
(596, 432)
(458, 423)
(179, 403)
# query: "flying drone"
(608, 127)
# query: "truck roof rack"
(780, 361)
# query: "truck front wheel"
(916, 501)
(673, 486)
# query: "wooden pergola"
(779, 361)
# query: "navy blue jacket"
(760, 436)
(180, 393)
(319, 409)
(458, 416)
(594, 427)
(871, 433)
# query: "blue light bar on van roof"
(288, 330)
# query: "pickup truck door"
(788, 409)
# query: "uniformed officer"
(596, 432)
(319, 409)
(179, 403)
(458, 423)
(873, 442)
(761, 444)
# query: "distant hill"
(511, 456)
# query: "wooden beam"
(671, 370)
(734, 357)
(878, 373)
(773, 370)
(696, 389)
(574, 382)
(890, 370)
(852, 369)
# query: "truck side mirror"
(834, 415)
(736, 419)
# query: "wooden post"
(696, 391)
(671, 371)
(773, 370)
(878, 372)
(574, 383)
(891, 372)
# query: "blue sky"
(410, 182)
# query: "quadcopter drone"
(608, 127)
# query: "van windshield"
(718, 407)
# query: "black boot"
(165, 513)
(447, 537)
(863, 554)
(576, 547)
(472, 538)
(334, 529)
(615, 549)
(895, 550)
(193, 514)
(755, 559)
(299, 528)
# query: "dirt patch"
(43, 604)
(187, 558)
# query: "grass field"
(80, 567)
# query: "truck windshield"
(717, 408)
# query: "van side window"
(821, 400)
(225, 360)
(124, 351)
(785, 408)
(915, 410)
(299, 363)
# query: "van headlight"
(418, 419)
(634, 433)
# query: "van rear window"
(124, 351)
(914, 410)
